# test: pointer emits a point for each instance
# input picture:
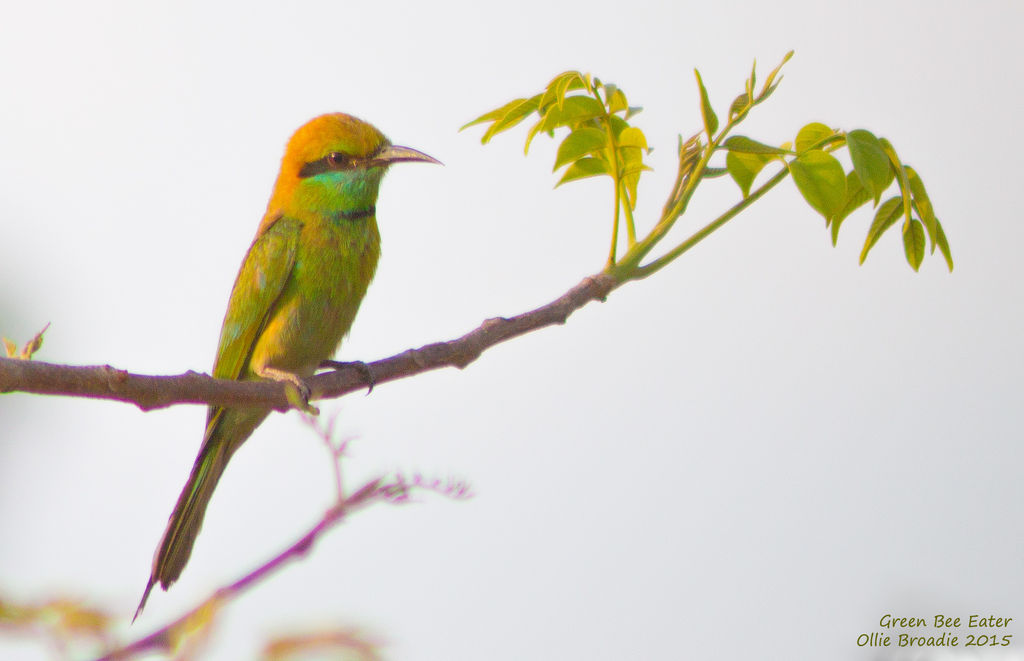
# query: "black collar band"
(358, 215)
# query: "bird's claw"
(357, 364)
(296, 391)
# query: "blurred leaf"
(711, 173)
(743, 144)
(710, 118)
(585, 167)
(744, 167)
(74, 618)
(580, 143)
(869, 162)
(885, 216)
(940, 238)
(341, 644)
(811, 135)
(32, 346)
(922, 203)
(821, 181)
(913, 243)
(17, 614)
(632, 110)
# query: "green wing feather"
(260, 281)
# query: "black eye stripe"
(339, 159)
(336, 160)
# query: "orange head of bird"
(336, 162)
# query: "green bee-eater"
(294, 298)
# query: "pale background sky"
(755, 454)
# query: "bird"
(294, 298)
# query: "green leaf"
(585, 167)
(630, 160)
(766, 93)
(616, 99)
(856, 196)
(580, 143)
(512, 116)
(922, 203)
(913, 243)
(821, 181)
(744, 167)
(886, 215)
(743, 144)
(854, 191)
(710, 118)
(711, 173)
(631, 166)
(769, 82)
(869, 162)
(940, 238)
(632, 137)
(574, 110)
(901, 177)
(492, 115)
(811, 136)
(555, 92)
(534, 130)
(739, 105)
(618, 125)
(632, 110)
(752, 80)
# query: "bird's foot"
(298, 397)
(357, 364)
(295, 389)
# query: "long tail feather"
(225, 433)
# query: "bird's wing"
(265, 270)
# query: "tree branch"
(150, 392)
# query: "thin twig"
(167, 637)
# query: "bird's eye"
(338, 159)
